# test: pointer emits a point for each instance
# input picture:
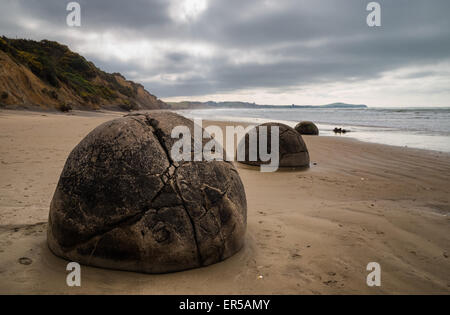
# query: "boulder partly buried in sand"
(292, 149)
(307, 128)
(122, 203)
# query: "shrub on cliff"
(64, 107)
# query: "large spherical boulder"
(307, 128)
(122, 203)
(292, 149)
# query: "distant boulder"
(122, 203)
(307, 128)
(292, 149)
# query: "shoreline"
(418, 135)
(339, 138)
(309, 231)
(351, 135)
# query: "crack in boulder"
(157, 132)
(194, 229)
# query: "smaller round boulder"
(307, 128)
(292, 149)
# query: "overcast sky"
(264, 51)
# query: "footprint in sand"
(25, 261)
(295, 255)
(330, 282)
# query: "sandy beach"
(309, 232)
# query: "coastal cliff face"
(47, 75)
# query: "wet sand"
(309, 232)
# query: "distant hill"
(211, 104)
(48, 75)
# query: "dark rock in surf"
(340, 130)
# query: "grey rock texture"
(307, 128)
(122, 203)
(292, 149)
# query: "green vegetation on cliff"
(57, 66)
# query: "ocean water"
(422, 128)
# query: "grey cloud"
(304, 41)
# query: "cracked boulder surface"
(307, 128)
(122, 203)
(292, 149)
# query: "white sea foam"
(422, 128)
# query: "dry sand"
(309, 232)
